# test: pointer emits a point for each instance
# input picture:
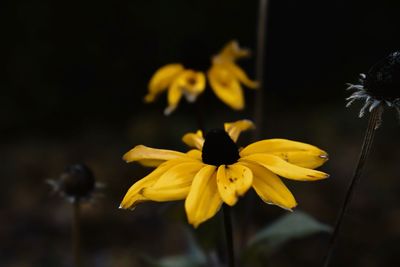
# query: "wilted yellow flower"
(225, 76)
(216, 171)
(179, 82)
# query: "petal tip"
(324, 156)
(169, 110)
(149, 98)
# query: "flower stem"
(258, 102)
(229, 235)
(373, 124)
(76, 233)
(260, 53)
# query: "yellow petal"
(240, 74)
(194, 139)
(134, 196)
(279, 146)
(232, 52)
(203, 200)
(180, 175)
(189, 83)
(195, 154)
(165, 194)
(283, 168)
(226, 87)
(161, 79)
(270, 187)
(306, 159)
(150, 156)
(174, 184)
(174, 95)
(235, 128)
(233, 181)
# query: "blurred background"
(76, 72)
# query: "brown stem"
(373, 123)
(258, 101)
(260, 53)
(76, 233)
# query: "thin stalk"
(260, 54)
(258, 100)
(229, 235)
(76, 233)
(373, 123)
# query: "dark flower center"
(219, 148)
(191, 81)
(383, 79)
(77, 181)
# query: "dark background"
(75, 74)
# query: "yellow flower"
(216, 171)
(225, 77)
(179, 82)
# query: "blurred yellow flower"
(216, 171)
(225, 77)
(179, 82)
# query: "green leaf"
(291, 226)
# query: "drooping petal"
(226, 87)
(283, 168)
(174, 96)
(233, 181)
(272, 146)
(151, 156)
(179, 175)
(240, 75)
(134, 196)
(195, 140)
(232, 51)
(235, 128)
(270, 187)
(174, 184)
(161, 79)
(306, 159)
(195, 154)
(203, 200)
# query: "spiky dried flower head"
(379, 87)
(75, 183)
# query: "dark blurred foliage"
(74, 78)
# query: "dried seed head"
(219, 148)
(383, 79)
(380, 87)
(77, 181)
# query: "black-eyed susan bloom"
(226, 77)
(216, 171)
(179, 82)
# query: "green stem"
(365, 150)
(76, 233)
(229, 235)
